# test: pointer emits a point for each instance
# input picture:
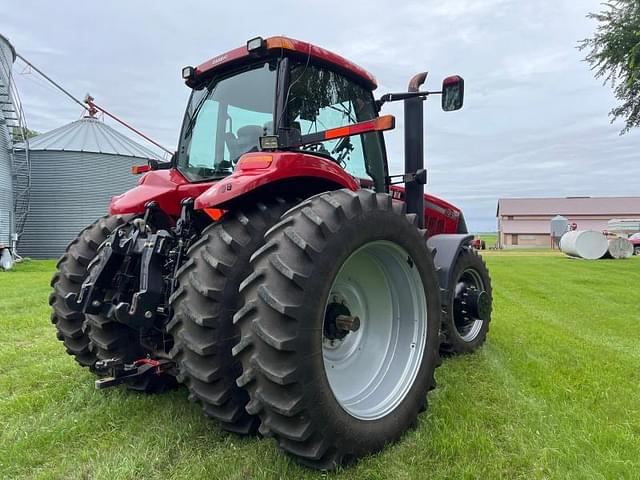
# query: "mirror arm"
(419, 177)
(394, 97)
(160, 165)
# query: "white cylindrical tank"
(587, 244)
(619, 248)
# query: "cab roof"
(279, 44)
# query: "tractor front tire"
(339, 327)
(465, 324)
(72, 269)
(204, 304)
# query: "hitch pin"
(140, 224)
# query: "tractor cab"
(286, 116)
(285, 92)
(315, 114)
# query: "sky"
(535, 121)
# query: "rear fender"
(167, 187)
(447, 249)
(257, 170)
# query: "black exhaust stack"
(414, 148)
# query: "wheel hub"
(471, 305)
(374, 330)
(338, 321)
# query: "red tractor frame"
(274, 266)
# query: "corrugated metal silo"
(75, 170)
(7, 57)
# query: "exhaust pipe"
(414, 147)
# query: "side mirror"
(452, 93)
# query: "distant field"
(553, 394)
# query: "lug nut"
(347, 322)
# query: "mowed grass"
(553, 394)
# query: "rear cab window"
(320, 99)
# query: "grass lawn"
(553, 394)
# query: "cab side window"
(320, 99)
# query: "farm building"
(75, 170)
(525, 222)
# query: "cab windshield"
(224, 120)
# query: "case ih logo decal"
(219, 59)
(451, 213)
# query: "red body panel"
(283, 165)
(439, 215)
(300, 47)
(167, 187)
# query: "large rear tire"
(466, 320)
(204, 304)
(72, 269)
(330, 393)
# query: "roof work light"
(188, 72)
(256, 45)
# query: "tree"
(614, 55)
(20, 133)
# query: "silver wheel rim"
(371, 370)
(470, 279)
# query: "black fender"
(446, 248)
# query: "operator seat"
(248, 139)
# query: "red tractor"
(273, 267)
(478, 244)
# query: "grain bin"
(7, 57)
(587, 244)
(558, 227)
(75, 170)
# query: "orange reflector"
(214, 213)
(279, 42)
(337, 132)
(138, 169)
(386, 122)
(254, 162)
